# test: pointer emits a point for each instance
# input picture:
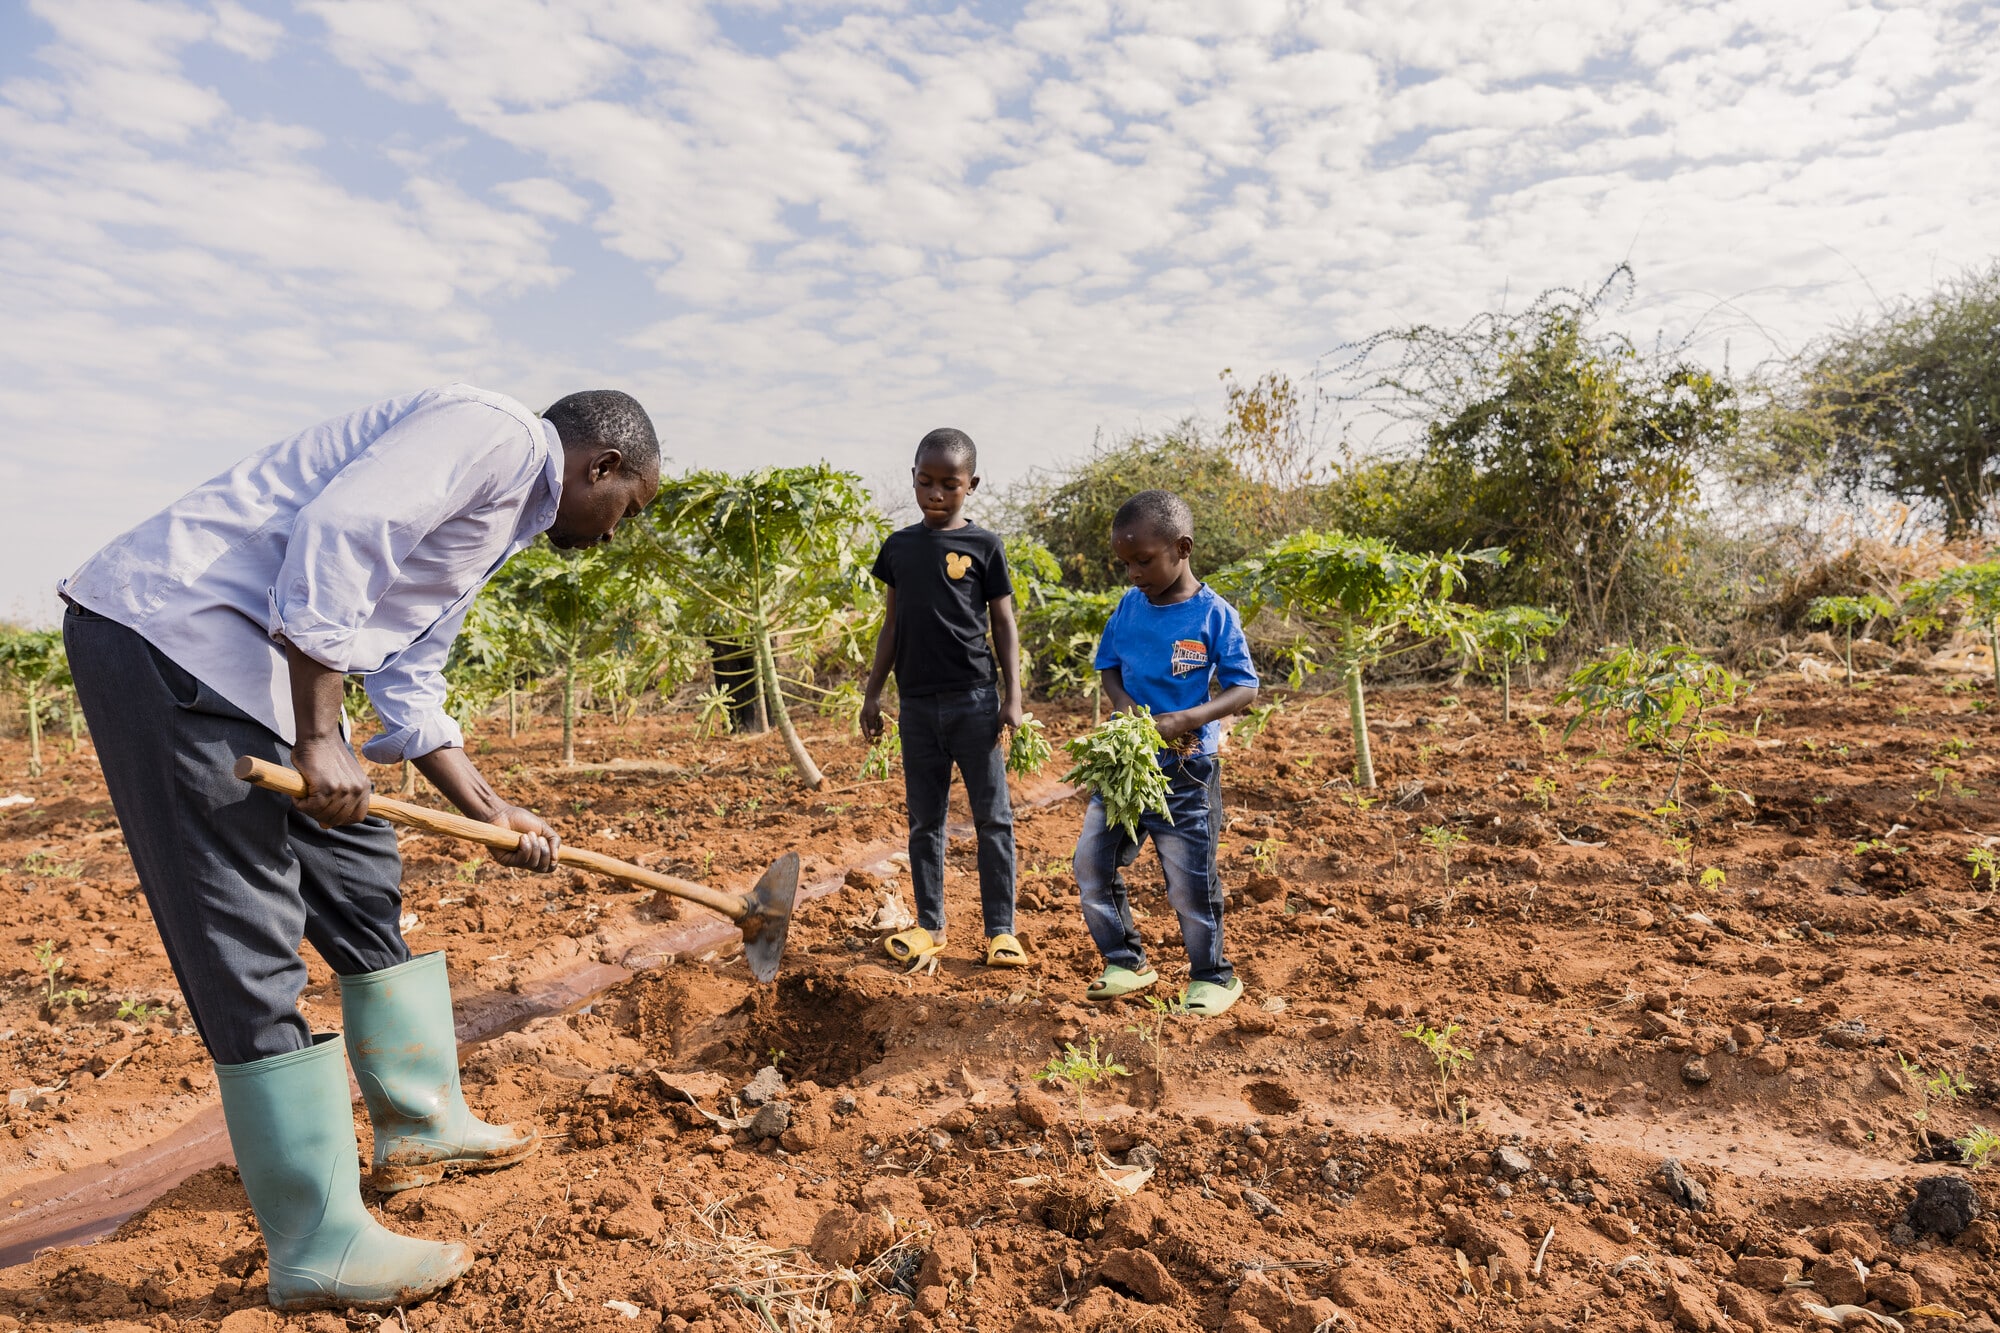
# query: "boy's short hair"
(953, 444)
(1161, 513)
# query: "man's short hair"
(608, 419)
(1162, 513)
(953, 444)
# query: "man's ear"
(606, 464)
(972, 486)
(1185, 545)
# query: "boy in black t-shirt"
(946, 577)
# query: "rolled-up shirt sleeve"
(409, 696)
(348, 545)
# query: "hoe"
(764, 915)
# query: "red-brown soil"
(1620, 1010)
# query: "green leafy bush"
(1119, 760)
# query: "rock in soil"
(1511, 1163)
(764, 1085)
(1681, 1187)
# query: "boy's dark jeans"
(938, 731)
(1187, 848)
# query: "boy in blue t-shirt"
(1166, 641)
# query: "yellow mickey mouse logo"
(955, 564)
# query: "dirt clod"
(1944, 1206)
(1140, 1274)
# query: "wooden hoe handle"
(276, 777)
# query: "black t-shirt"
(943, 581)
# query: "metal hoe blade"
(769, 918)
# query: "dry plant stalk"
(786, 1288)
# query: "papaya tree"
(34, 666)
(1846, 613)
(555, 614)
(1968, 595)
(1060, 625)
(1513, 634)
(1666, 695)
(1364, 600)
(776, 559)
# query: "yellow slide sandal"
(1005, 951)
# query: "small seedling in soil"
(1119, 761)
(1264, 854)
(884, 754)
(53, 996)
(1977, 1146)
(1984, 863)
(1029, 750)
(1542, 791)
(41, 863)
(1082, 1070)
(1867, 845)
(133, 1011)
(1447, 1057)
(468, 871)
(1945, 1084)
(1152, 1031)
(1713, 878)
(1442, 839)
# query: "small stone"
(765, 1085)
(1661, 1025)
(1945, 1205)
(1681, 1187)
(772, 1120)
(1511, 1162)
(1695, 1072)
(1259, 1205)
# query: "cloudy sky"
(812, 229)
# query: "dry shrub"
(1878, 552)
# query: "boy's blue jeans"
(963, 729)
(1187, 849)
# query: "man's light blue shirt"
(361, 541)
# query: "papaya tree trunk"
(1357, 708)
(513, 716)
(1993, 648)
(774, 699)
(1850, 656)
(1506, 691)
(569, 710)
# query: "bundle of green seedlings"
(1029, 749)
(1119, 761)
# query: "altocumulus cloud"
(814, 229)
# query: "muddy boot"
(404, 1050)
(293, 1131)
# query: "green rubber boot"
(404, 1050)
(293, 1131)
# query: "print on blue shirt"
(1168, 656)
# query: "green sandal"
(1205, 999)
(1118, 982)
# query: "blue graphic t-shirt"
(1168, 655)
